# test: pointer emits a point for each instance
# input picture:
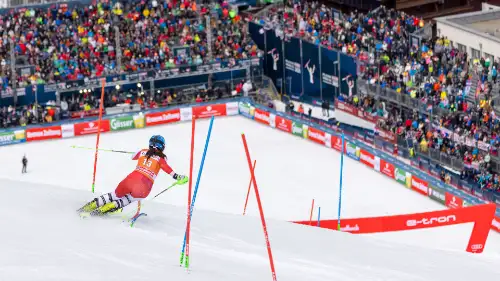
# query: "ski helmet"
(157, 142)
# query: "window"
(461, 48)
(476, 54)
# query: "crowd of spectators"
(67, 43)
(436, 73)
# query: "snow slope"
(42, 239)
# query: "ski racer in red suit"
(138, 184)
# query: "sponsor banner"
(328, 140)
(244, 109)
(139, 120)
(186, 114)
(476, 242)
(272, 120)
(316, 135)
(122, 123)
(367, 158)
(83, 114)
(87, 128)
(495, 224)
(262, 116)
(12, 137)
(436, 194)
(209, 110)
(232, 108)
(453, 202)
(164, 117)
(351, 150)
(386, 135)
(68, 130)
(337, 143)
(419, 185)
(298, 129)
(284, 124)
(36, 134)
(388, 169)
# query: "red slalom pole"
(101, 105)
(188, 227)
(249, 186)
(311, 216)
(269, 252)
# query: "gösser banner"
(477, 239)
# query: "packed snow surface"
(41, 238)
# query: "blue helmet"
(157, 142)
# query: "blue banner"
(293, 70)
(348, 73)
(311, 77)
(330, 73)
(274, 61)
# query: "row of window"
(475, 54)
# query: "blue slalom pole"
(341, 170)
(319, 214)
(196, 190)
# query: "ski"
(134, 219)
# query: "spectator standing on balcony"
(25, 164)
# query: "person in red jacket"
(138, 184)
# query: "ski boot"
(89, 207)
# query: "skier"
(25, 164)
(138, 184)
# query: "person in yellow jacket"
(423, 145)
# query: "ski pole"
(102, 149)
(172, 185)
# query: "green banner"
(298, 129)
(401, 176)
(11, 137)
(122, 123)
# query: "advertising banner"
(298, 130)
(495, 224)
(122, 123)
(436, 194)
(45, 133)
(419, 185)
(231, 108)
(402, 177)
(453, 202)
(186, 114)
(337, 143)
(388, 169)
(284, 124)
(12, 137)
(209, 110)
(261, 116)
(68, 130)
(386, 135)
(367, 158)
(316, 135)
(244, 109)
(330, 73)
(292, 66)
(350, 150)
(163, 117)
(274, 58)
(311, 76)
(87, 128)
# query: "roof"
(483, 23)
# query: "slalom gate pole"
(249, 186)
(340, 186)
(103, 149)
(311, 215)
(188, 226)
(319, 215)
(256, 189)
(101, 105)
